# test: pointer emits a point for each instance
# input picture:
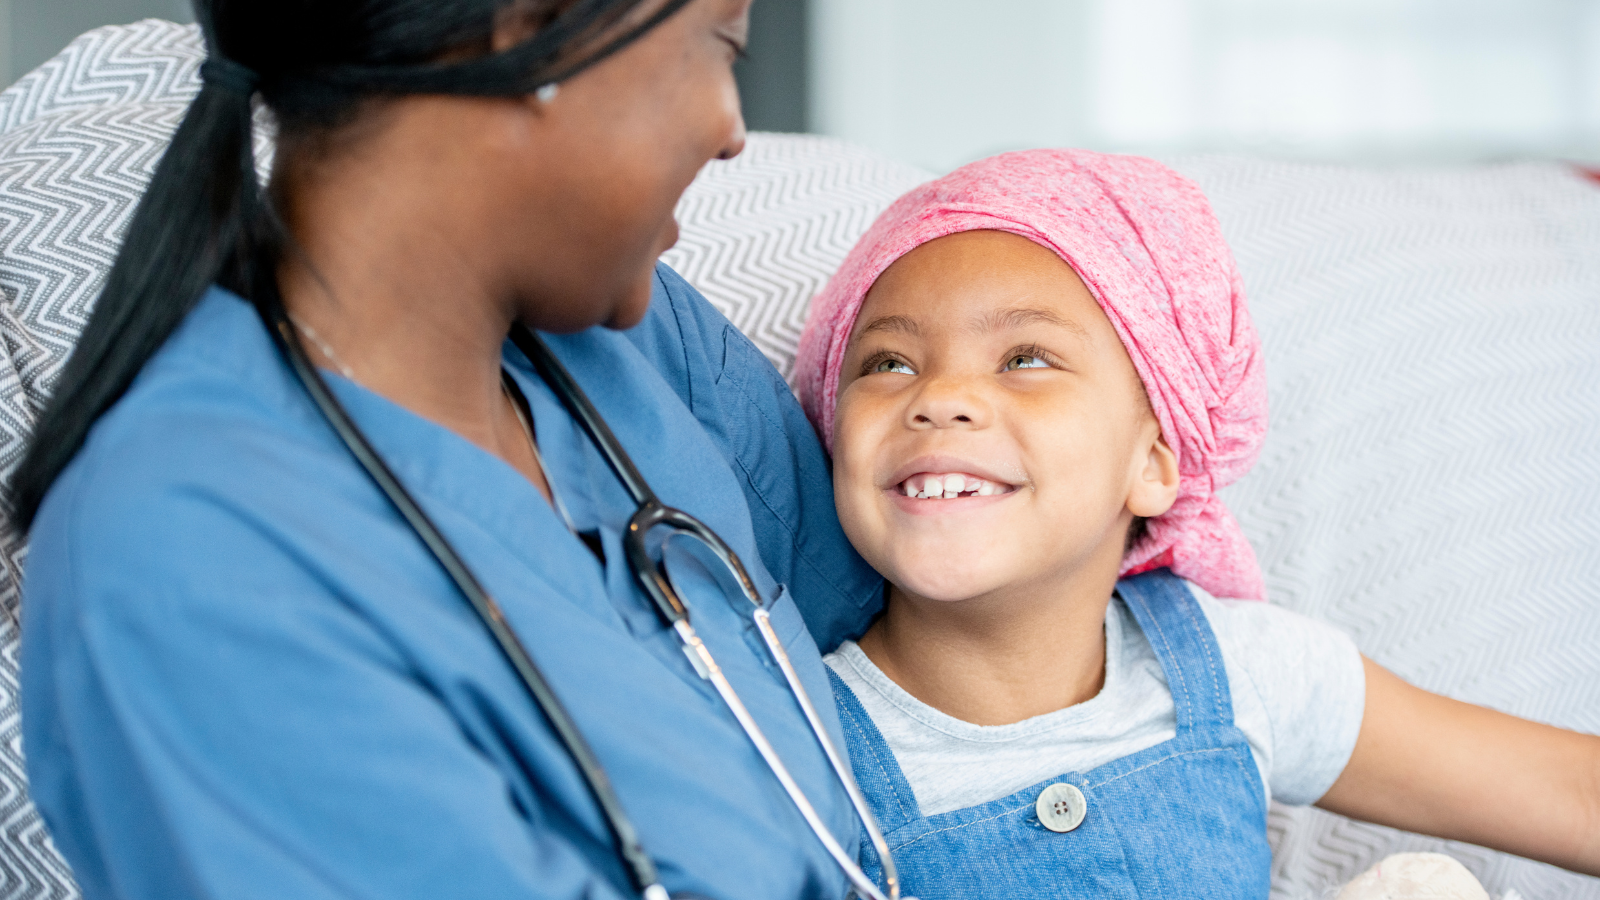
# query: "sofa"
(1431, 476)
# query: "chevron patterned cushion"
(79, 139)
(1431, 478)
(1431, 481)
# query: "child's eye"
(1025, 362)
(892, 365)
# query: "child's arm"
(1433, 765)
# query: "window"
(940, 82)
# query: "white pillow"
(1431, 476)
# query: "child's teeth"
(948, 487)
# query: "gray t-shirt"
(1298, 694)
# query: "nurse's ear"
(1155, 480)
(516, 22)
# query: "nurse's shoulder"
(745, 406)
(221, 616)
(190, 473)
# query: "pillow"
(79, 138)
(1431, 477)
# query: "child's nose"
(948, 403)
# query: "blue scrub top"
(245, 677)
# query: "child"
(1033, 375)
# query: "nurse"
(251, 669)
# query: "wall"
(772, 76)
(941, 82)
(772, 79)
(32, 31)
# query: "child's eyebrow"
(997, 320)
(1008, 319)
(900, 324)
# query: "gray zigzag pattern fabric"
(763, 232)
(1431, 477)
(1433, 344)
(79, 139)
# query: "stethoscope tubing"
(641, 868)
(650, 514)
(891, 876)
(712, 672)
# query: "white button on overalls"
(1061, 807)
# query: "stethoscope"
(651, 514)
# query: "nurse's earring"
(547, 92)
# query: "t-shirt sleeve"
(1299, 693)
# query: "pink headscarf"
(1146, 243)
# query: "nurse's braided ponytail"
(204, 218)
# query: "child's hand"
(1437, 766)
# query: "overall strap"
(1181, 636)
(873, 763)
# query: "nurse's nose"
(736, 137)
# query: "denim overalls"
(1183, 819)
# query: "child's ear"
(1155, 485)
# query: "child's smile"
(951, 486)
(991, 432)
(933, 485)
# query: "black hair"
(315, 64)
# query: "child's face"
(983, 356)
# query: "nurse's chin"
(630, 310)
